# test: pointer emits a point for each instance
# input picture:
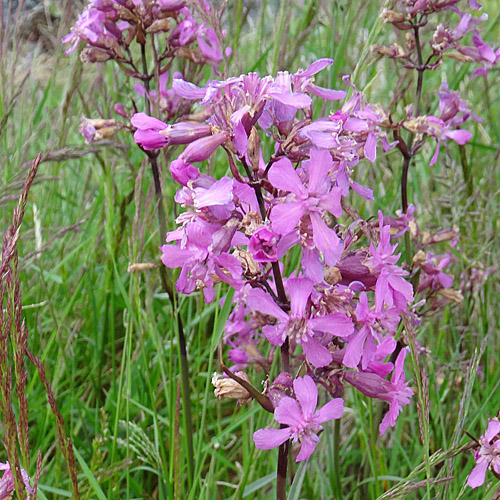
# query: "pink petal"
(492, 430)
(187, 90)
(459, 136)
(321, 162)
(284, 177)
(307, 394)
(354, 348)
(328, 94)
(259, 300)
(478, 474)
(371, 147)
(144, 122)
(316, 353)
(435, 155)
(326, 240)
(316, 67)
(311, 262)
(288, 413)
(331, 411)
(285, 217)
(299, 290)
(266, 439)
(363, 191)
(308, 444)
(295, 100)
(337, 324)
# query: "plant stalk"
(168, 287)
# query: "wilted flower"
(229, 388)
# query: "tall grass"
(107, 335)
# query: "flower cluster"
(109, 27)
(446, 40)
(338, 311)
(166, 31)
(413, 19)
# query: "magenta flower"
(396, 392)
(488, 455)
(298, 325)
(148, 131)
(262, 245)
(319, 196)
(7, 483)
(301, 418)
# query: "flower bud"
(201, 149)
(262, 245)
(185, 133)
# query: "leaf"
(300, 475)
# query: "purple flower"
(262, 245)
(7, 483)
(148, 131)
(488, 455)
(319, 196)
(301, 418)
(298, 326)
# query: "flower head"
(301, 418)
(488, 455)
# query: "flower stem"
(285, 354)
(168, 287)
(282, 469)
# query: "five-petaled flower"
(301, 418)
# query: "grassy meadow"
(106, 333)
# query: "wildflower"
(319, 196)
(262, 245)
(298, 325)
(396, 392)
(7, 483)
(488, 455)
(301, 418)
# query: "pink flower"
(298, 325)
(396, 392)
(301, 418)
(488, 455)
(262, 245)
(7, 484)
(319, 196)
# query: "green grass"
(107, 337)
